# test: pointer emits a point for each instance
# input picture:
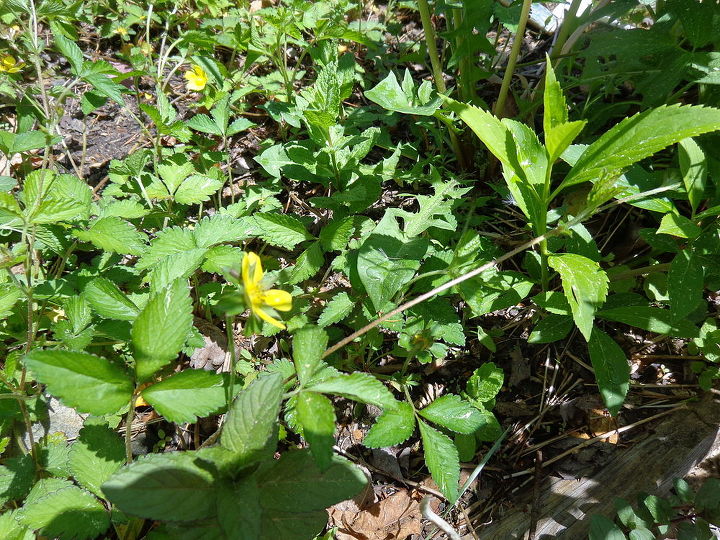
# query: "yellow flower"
(257, 297)
(121, 30)
(196, 78)
(8, 64)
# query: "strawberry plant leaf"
(551, 328)
(652, 319)
(309, 344)
(109, 301)
(115, 235)
(95, 456)
(585, 285)
(694, 168)
(612, 370)
(280, 230)
(87, 382)
(680, 226)
(196, 189)
(453, 413)
(357, 386)
(159, 331)
(441, 458)
(685, 282)
(336, 309)
(308, 264)
(394, 426)
(485, 382)
(185, 396)
(316, 415)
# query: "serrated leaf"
(95, 456)
(115, 235)
(601, 528)
(394, 426)
(69, 50)
(167, 242)
(9, 296)
(17, 475)
(555, 107)
(308, 264)
(176, 266)
(612, 370)
(309, 344)
(196, 189)
(11, 529)
(316, 414)
(680, 226)
(280, 230)
(640, 136)
(452, 412)
(252, 417)
(389, 94)
(685, 284)
(67, 513)
(109, 301)
(357, 386)
(652, 319)
(336, 309)
(585, 285)
(485, 382)
(694, 168)
(84, 381)
(441, 458)
(174, 486)
(185, 396)
(218, 229)
(174, 171)
(551, 328)
(238, 125)
(202, 122)
(160, 329)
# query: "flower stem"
(512, 61)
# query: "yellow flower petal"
(252, 271)
(196, 78)
(265, 317)
(280, 300)
(8, 64)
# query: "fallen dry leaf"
(394, 518)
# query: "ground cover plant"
(256, 247)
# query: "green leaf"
(202, 122)
(612, 370)
(176, 266)
(388, 94)
(489, 129)
(640, 136)
(10, 528)
(652, 319)
(185, 396)
(115, 235)
(555, 106)
(394, 426)
(109, 301)
(336, 309)
(196, 189)
(316, 415)
(69, 512)
(95, 456)
(685, 284)
(694, 168)
(493, 290)
(680, 226)
(560, 137)
(9, 296)
(65, 198)
(357, 386)
(452, 412)
(84, 381)
(601, 528)
(308, 264)
(218, 229)
(167, 242)
(551, 328)
(485, 382)
(309, 344)
(708, 496)
(16, 478)
(585, 285)
(280, 230)
(160, 329)
(441, 458)
(251, 420)
(69, 50)
(174, 486)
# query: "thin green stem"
(568, 24)
(128, 429)
(233, 359)
(512, 61)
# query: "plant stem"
(128, 429)
(512, 61)
(567, 25)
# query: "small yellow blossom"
(8, 64)
(196, 78)
(121, 30)
(257, 297)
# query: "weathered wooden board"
(672, 449)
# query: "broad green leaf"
(280, 230)
(17, 475)
(167, 242)
(435, 210)
(95, 456)
(160, 329)
(601, 528)
(115, 235)
(685, 284)
(202, 122)
(196, 189)
(529, 160)
(493, 290)
(69, 50)
(441, 458)
(109, 301)
(585, 285)
(316, 415)
(176, 266)
(309, 344)
(680, 226)
(174, 486)
(174, 170)
(640, 136)
(296, 473)
(84, 381)
(453, 413)
(694, 168)
(652, 319)
(65, 198)
(555, 106)
(251, 420)
(336, 309)
(560, 137)
(485, 382)
(551, 328)
(308, 264)
(185, 396)
(394, 426)
(489, 129)
(389, 94)
(357, 386)
(218, 229)
(69, 512)
(612, 370)
(708, 496)
(9, 296)
(10, 211)
(659, 508)
(11, 529)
